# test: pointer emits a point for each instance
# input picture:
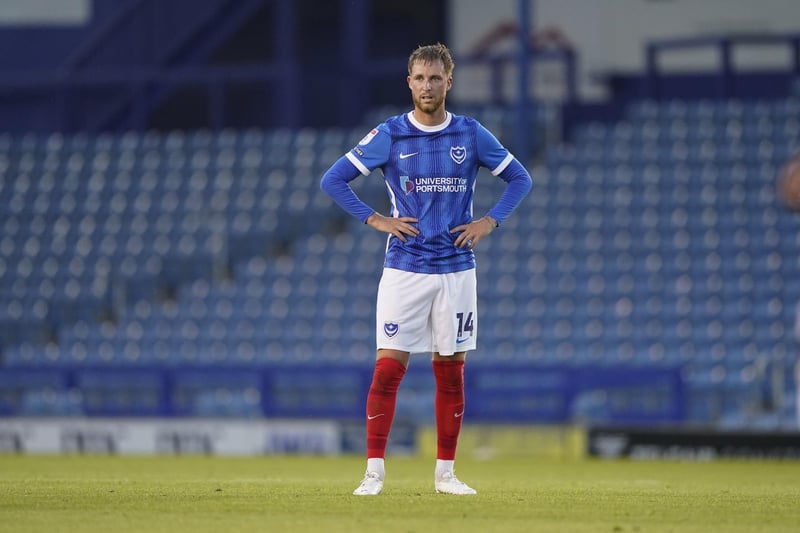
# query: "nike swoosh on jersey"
(406, 156)
(458, 415)
(372, 417)
(461, 341)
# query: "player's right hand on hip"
(400, 227)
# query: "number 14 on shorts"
(465, 327)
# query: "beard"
(429, 106)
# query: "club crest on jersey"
(458, 154)
(390, 329)
(407, 184)
(368, 137)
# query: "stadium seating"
(653, 242)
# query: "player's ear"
(449, 83)
(408, 81)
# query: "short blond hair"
(431, 53)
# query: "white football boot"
(371, 485)
(448, 483)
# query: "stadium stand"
(654, 242)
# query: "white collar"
(439, 127)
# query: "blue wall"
(148, 64)
(47, 47)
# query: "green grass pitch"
(276, 494)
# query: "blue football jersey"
(430, 174)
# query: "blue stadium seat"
(656, 240)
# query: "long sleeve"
(335, 182)
(519, 183)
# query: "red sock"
(449, 406)
(381, 402)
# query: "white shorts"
(427, 312)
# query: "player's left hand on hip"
(473, 232)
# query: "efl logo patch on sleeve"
(368, 137)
